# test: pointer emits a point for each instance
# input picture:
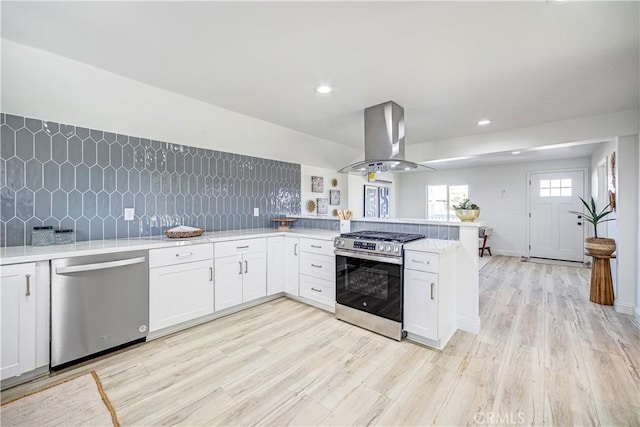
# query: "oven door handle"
(388, 260)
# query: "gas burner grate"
(383, 236)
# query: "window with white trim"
(440, 198)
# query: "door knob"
(579, 216)
(579, 223)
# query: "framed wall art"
(383, 199)
(371, 206)
(334, 197)
(322, 206)
(317, 184)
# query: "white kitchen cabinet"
(291, 265)
(183, 290)
(228, 288)
(275, 264)
(240, 272)
(429, 297)
(254, 276)
(317, 267)
(24, 319)
(421, 303)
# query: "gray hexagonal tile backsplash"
(73, 177)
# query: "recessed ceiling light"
(323, 89)
(484, 122)
(515, 152)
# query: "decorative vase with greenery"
(596, 245)
(466, 211)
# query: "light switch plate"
(129, 214)
(256, 211)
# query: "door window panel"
(556, 187)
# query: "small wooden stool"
(601, 281)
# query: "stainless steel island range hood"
(383, 142)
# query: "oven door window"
(371, 286)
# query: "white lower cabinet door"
(18, 319)
(228, 279)
(291, 265)
(275, 265)
(421, 303)
(254, 283)
(179, 293)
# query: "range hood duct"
(383, 142)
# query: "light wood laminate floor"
(545, 355)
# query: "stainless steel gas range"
(369, 280)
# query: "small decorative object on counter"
(466, 211)
(284, 223)
(183, 232)
(42, 236)
(63, 237)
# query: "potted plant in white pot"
(466, 211)
(596, 245)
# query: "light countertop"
(474, 224)
(432, 245)
(20, 254)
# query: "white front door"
(555, 233)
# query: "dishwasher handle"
(100, 265)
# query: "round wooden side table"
(601, 281)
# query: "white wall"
(306, 172)
(637, 310)
(46, 86)
(500, 191)
(627, 221)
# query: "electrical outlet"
(256, 211)
(129, 214)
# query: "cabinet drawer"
(320, 266)
(322, 291)
(238, 247)
(321, 247)
(180, 254)
(421, 261)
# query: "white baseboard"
(623, 307)
(508, 253)
(636, 318)
(468, 325)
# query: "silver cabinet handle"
(211, 274)
(184, 254)
(316, 290)
(100, 265)
(246, 266)
(240, 264)
(316, 266)
(316, 246)
(28, 277)
(242, 247)
(417, 261)
(295, 249)
(432, 285)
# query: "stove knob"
(381, 247)
(396, 249)
(341, 242)
(388, 248)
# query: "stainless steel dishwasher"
(98, 302)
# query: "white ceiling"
(448, 64)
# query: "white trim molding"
(624, 308)
(468, 325)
